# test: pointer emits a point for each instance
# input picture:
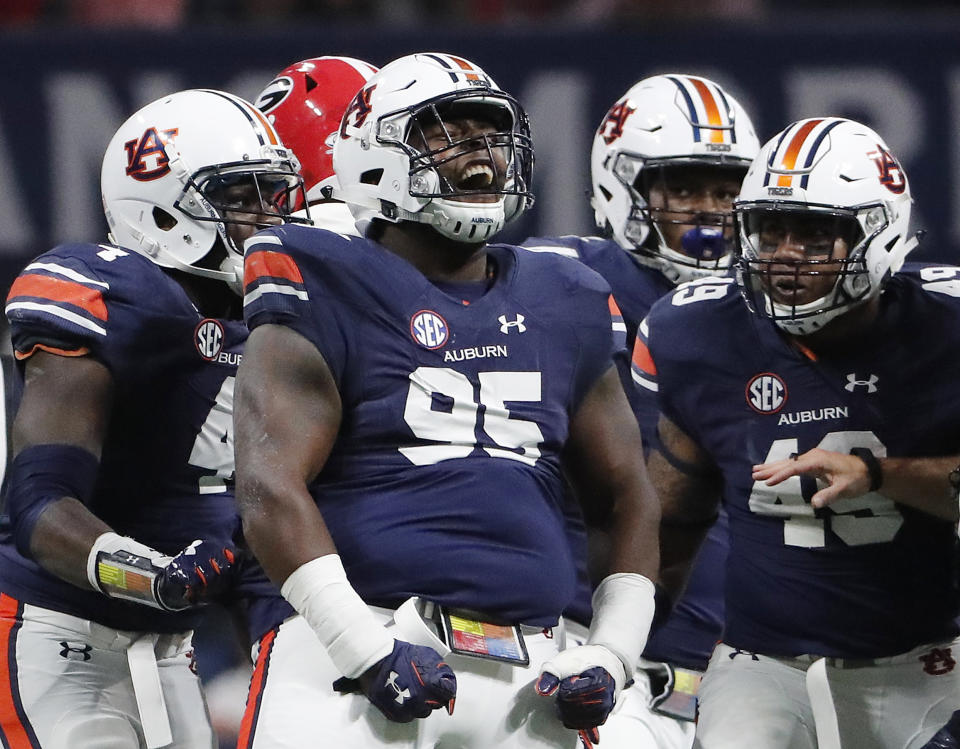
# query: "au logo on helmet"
(358, 111)
(612, 126)
(891, 174)
(146, 156)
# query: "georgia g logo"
(612, 126)
(766, 393)
(358, 111)
(891, 174)
(273, 95)
(146, 156)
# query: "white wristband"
(110, 543)
(623, 606)
(321, 594)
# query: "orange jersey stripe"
(712, 110)
(642, 359)
(614, 309)
(793, 151)
(16, 735)
(59, 290)
(272, 264)
(257, 683)
(21, 355)
(471, 76)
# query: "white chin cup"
(464, 222)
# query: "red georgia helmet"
(305, 102)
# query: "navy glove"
(583, 701)
(409, 683)
(947, 737)
(586, 681)
(198, 574)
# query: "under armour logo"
(506, 324)
(869, 384)
(75, 652)
(402, 694)
(738, 651)
(938, 661)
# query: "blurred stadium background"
(72, 70)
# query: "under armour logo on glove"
(409, 683)
(585, 691)
(947, 737)
(196, 575)
(402, 694)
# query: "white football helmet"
(167, 169)
(661, 125)
(840, 174)
(385, 173)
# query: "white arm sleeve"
(321, 594)
(623, 606)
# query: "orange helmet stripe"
(471, 76)
(789, 160)
(711, 108)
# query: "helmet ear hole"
(163, 220)
(371, 177)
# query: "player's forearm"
(634, 533)
(921, 483)
(679, 545)
(281, 523)
(62, 539)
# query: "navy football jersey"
(635, 286)
(864, 577)
(166, 468)
(445, 480)
(688, 635)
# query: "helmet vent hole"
(473, 231)
(607, 195)
(892, 243)
(310, 83)
(371, 177)
(163, 220)
(456, 229)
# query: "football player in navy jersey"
(120, 515)
(407, 405)
(667, 161)
(813, 406)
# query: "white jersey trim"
(273, 288)
(59, 312)
(62, 270)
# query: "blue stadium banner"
(65, 91)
